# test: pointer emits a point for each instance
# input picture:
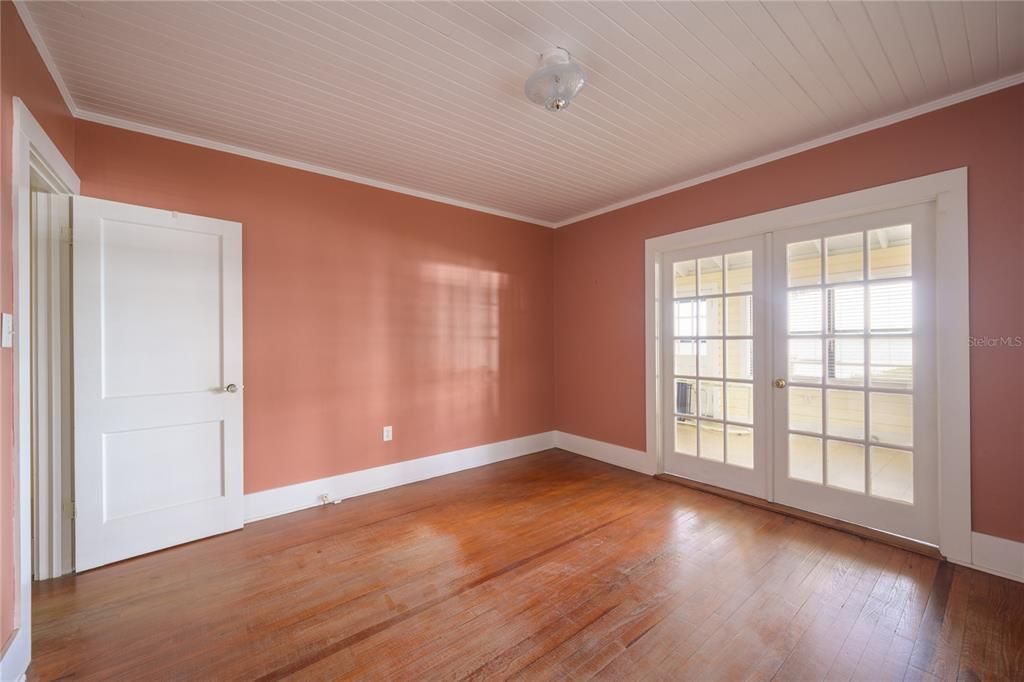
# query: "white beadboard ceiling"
(427, 97)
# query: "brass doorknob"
(780, 383)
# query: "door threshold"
(898, 541)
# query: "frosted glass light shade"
(556, 82)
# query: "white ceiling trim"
(116, 122)
(299, 165)
(940, 103)
(44, 53)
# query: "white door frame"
(51, 413)
(948, 190)
(31, 149)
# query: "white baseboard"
(620, 456)
(15, 662)
(999, 556)
(276, 501)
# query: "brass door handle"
(780, 383)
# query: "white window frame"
(31, 149)
(948, 190)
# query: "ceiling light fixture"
(556, 82)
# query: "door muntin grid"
(849, 333)
(713, 358)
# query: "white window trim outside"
(31, 148)
(948, 190)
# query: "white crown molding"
(44, 54)
(925, 108)
(77, 112)
(298, 165)
(267, 503)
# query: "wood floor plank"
(550, 566)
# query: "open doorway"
(50, 377)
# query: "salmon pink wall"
(22, 74)
(599, 270)
(361, 308)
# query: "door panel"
(714, 333)
(157, 334)
(179, 272)
(854, 364)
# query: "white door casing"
(947, 191)
(158, 377)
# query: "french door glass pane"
(684, 278)
(710, 317)
(805, 361)
(739, 362)
(711, 358)
(739, 272)
(709, 277)
(889, 254)
(739, 402)
(892, 307)
(712, 444)
(805, 409)
(892, 418)
(685, 318)
(804, 263)
(686, 397)
(739, 316)
(805, 311)
(846, 310)
(845, 262)
(846, 465)
(686, 436)
(711, 400)
(741, 446)
(686, 357)
(805, 461)
(892, 363)
(892, 474)
(845, 410)
(846, 361)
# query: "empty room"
(511, 339)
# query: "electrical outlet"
(387, 433)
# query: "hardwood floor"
(550, 566)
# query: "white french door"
(799, 366)
(713, 320)
(854, 367)
(158, 376)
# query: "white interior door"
(158, 374)
(855, 388)
(714, 352)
